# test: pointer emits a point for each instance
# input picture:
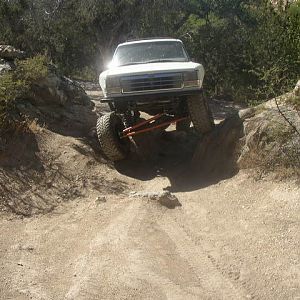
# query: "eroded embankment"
(40, 169)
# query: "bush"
(84, 74)
(16, 84)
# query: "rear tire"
(200, 113)
(109, 128)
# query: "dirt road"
(233, 238)
(238, 239)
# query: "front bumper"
(159, 95)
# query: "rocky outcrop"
(297, 89)
(61, 104)
(7, 56)
(266, 138)
(216, 154)
(55, 101)
(272, 138)
(58, 90)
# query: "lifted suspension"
(149, 125)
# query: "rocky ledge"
(56, 101)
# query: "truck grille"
(151, 82)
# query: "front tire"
(109, 128)
(200, 113)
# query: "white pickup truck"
(155, 76)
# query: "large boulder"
(271, 139)
(297, 89)
(265, 138)
(54, 100)
(58, 90)
(61, 104)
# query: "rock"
(164, 198)
(58, 90)
(101, 199)
(10, 53)
(269, 141)
(246, 113)
(297, 89)
(55, 101)
(168, 200)
(61, 104)
(216, 153)
(5, 66)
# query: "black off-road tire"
(200, 114)
(108, 129)
(183, 125)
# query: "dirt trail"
(230, 238)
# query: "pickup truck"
(157, 77)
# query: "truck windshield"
(149, 52)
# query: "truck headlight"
(113, 85)
(190, 79)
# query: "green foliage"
(16, 84)
(11, 88)
(32, 69)
(250, 49)
(84, 74)
(275, 52)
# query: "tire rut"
(89, 267)
(143, 265)
(218, 286)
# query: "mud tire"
(200, 114)
(108, 128)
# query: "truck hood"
(151, 68)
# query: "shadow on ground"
(189, 162)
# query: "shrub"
(16, 84)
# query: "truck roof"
(151, 40)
